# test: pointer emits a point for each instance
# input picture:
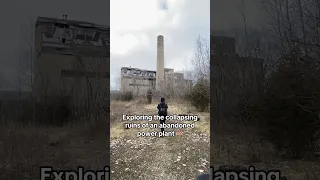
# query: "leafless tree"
(201, 60)
(118, 82)
(200, 93)
(26, 56)
(295, 25)
(94, 88)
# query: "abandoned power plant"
(72, 60)
(233, 77)
(139, 81)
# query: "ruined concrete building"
(223, 45)
(72, 59)
(232, 77)
(163, 79)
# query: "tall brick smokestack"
(160, 63)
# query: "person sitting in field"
(162, 111)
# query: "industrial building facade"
(72, 59)
(232, 77)
(139, 81)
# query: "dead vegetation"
(179, 157)
(238, 145)
(23, 149)
(54, 132)
(273, 122)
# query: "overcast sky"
(18, 16)
(226, 14)
(136, 24)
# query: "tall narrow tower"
(160, 63)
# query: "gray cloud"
(226, 14)
(179, 41)
(17, 17)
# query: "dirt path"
(175, 158)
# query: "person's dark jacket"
(162, 109)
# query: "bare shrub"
(288, 109)
(149, 96)
(199, 95)
(126, 96)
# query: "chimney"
(65, 34)
(160, 63)
(65, 17)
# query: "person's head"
(162, 100)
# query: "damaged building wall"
(137, 81)
(163, 81)
(57, 75)
(233, 78)
(72, 60)
(70, 38)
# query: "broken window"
(85, 35)
(96, 36)
(49, 31)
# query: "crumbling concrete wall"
(137, 81)
(72, 59)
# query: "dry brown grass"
(24, 149)
(157, 158)
(238, 145)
